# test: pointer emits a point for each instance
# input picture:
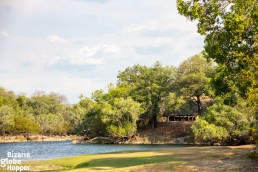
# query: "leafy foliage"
(6, 119)
(205, 131)
(193, 79)
(113, 115)
(26, 125)
(231, 39)
(176, 105)
(148, 86)
(222, 122)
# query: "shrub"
(222, 122)
(26, 125)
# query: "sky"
(75, 47)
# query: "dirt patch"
(206, 159)
(176, 132)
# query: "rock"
(180, 140)
(101, 140)
(217, 144)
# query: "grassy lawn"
(167, 159)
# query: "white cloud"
(53, 61)
(3, 32)
(132, 28)
(149, 25)
(93, 55)
(88, 55)
(55, 38)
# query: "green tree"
(224, 123)
(193, 79)
(26, 125)
(176, 105)
(123, 117)
(231, 40)
(76, 116)
(45, 104)
(114, 114)
(51, 124)
(93, 124)
(6, 119)
(148, 86)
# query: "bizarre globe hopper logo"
(13, 161)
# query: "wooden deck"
(182, 118)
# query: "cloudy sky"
(74, 47)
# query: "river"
(51, 150)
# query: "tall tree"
(113, 114)
(149, 86)
(193, 79)
(230, 28)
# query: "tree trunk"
(199, 105)
(154, 122)
(155, 111)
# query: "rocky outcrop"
(96, 140)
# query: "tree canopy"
(230, 28)
(149, 86)
(193, 79)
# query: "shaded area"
(125, 162)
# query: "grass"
(166, 159)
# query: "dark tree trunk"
(155, 111)
(154, 122)
(198, 101)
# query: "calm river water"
(51, 150)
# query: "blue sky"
(74, 47)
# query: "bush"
(121, 131)
(116, 119)
(204, 131)
(26, 125)
(6, 119)
(51, 124)
(223, 123)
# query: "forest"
(141, 95)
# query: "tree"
(148, 86)
(121, 117)
(193, 79)
(6, 119)
(224, 123)
(113, 114)
(51, 123)
(76, 117)
(45, 104)
(231, 40)
(26, 125)
(176, 105)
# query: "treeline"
(141, 95)
(42, 114)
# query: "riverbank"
(36, 138)
(177, 132)
(178, 159)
